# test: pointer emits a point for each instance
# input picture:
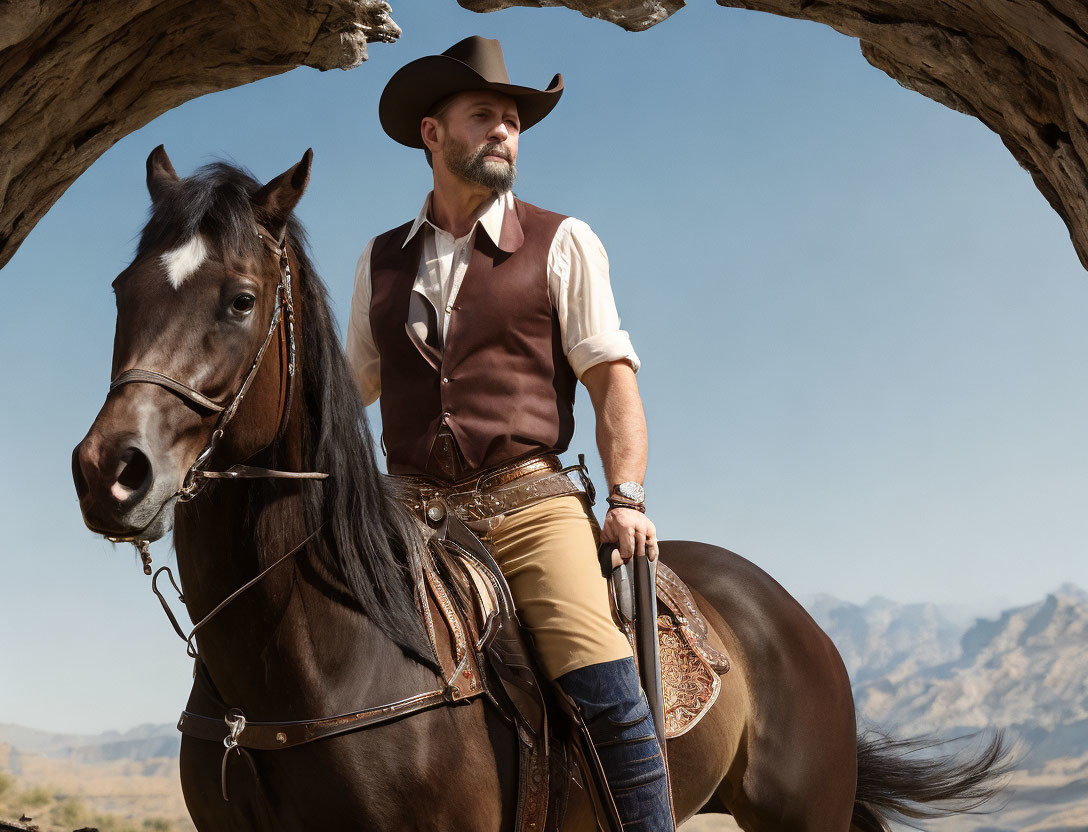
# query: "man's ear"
(161, 175)
(276, 200)
(428, 132)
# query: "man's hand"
(632, 531)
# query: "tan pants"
(548, 553)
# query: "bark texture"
(75, 77)
(1019, 66)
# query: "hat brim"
(415, 87)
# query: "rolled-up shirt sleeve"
(582, 296)
(362, 352)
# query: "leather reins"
(190, 646)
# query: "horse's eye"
(243, 303)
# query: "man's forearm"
(621, 438)
(621, 422)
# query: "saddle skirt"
(485, 649)
(691, 666)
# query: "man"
(474, 323)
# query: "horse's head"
(204, 295)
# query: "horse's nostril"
(134, 473)
(77, 475)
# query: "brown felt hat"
(474, 63)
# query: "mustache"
(493, 150)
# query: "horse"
(336, 628)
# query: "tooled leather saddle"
(471, 617)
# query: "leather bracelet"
(621, 504)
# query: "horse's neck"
(292, 644)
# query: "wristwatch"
(631, 491)
(629, 494)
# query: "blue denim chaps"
(615, 710)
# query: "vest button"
(445, 380)
(449, 308)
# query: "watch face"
(631, 491)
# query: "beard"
(471, 165)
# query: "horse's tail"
(894, 780)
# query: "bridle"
(233, 724)
(283, 321)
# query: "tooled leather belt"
(494, 491)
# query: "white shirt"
(578, 286)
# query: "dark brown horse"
(336, 629)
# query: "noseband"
(283, 320)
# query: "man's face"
(477, 137)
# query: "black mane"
(368, 540)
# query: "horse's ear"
(160, 173)
(276, 200)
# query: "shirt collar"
(491, 218)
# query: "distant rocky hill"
(883, 636)
(144, 742)
(1026, 670)
(917, 669)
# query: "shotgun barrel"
(649, 659)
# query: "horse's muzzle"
(115, 483)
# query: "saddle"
(481, 643)
(481, 650)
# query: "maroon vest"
(502, 384)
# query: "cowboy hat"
(474, 63)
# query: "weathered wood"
(75, 77)
(1019, 66)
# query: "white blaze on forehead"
(184, 260)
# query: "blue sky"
(861, 326)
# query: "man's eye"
(243, 303)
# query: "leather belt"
(494, 491)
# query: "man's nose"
(499, 132)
